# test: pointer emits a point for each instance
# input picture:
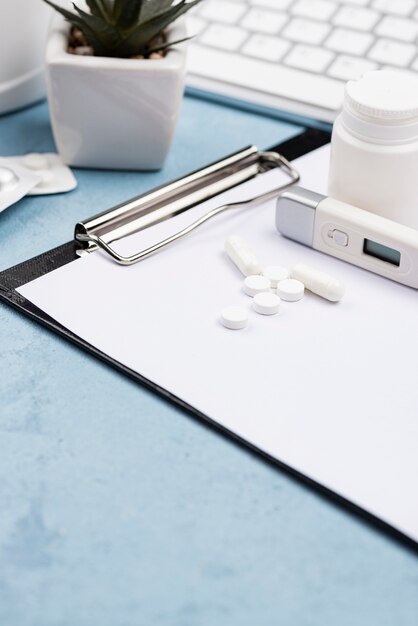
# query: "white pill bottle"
(374, 146)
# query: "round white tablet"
(275, 273)
(290, 290)
(266, 303)
(256, 284)
(35, 161)
(234, 317)
(8, 179)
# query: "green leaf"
(137, 40)
(108, 9)
(75, 20)
(126, 12)
(167, 44)
(99, 9)
(67, 14)
(152, 8)
(107, 34)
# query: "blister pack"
(55, 177)
(15, 182)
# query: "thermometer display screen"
(384, 253)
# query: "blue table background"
(119, 509)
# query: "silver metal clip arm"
(269, 159)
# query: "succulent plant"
(125, 28)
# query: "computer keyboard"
(296, 55)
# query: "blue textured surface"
(118, 509)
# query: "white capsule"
(275, 273)
(234, 317)
(266, 303)
(318, 282)
(241, 254)
(290, 290)
(256, 284)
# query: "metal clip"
(178, 196)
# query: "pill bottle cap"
(383, 105)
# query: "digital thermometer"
(349, 233)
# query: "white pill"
(318, 282)
(290, 290)
(256, 284)
(275, 273)
(266, 303)
(8, 179)
(234, 317)
(241, 254)
(35, 161)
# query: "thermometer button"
(339, 237)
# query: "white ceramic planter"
(113, 113)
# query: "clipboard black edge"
(31, 269)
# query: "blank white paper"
(328, 389)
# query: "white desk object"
(351, 364)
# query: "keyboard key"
(398, 28)
(225, 37)
(309, 58)
(394, 7)
(414, 65)
(263, 21)
(350, 41)
(223, 11)
(195, 25)
(387, 51)
(359, 19)
(350, 68)
(271, 78)
(277, 5)
(359, 3)
(265, 47)
(315, 9)
(306, 31)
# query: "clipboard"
(13, 278)
(18, 275)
